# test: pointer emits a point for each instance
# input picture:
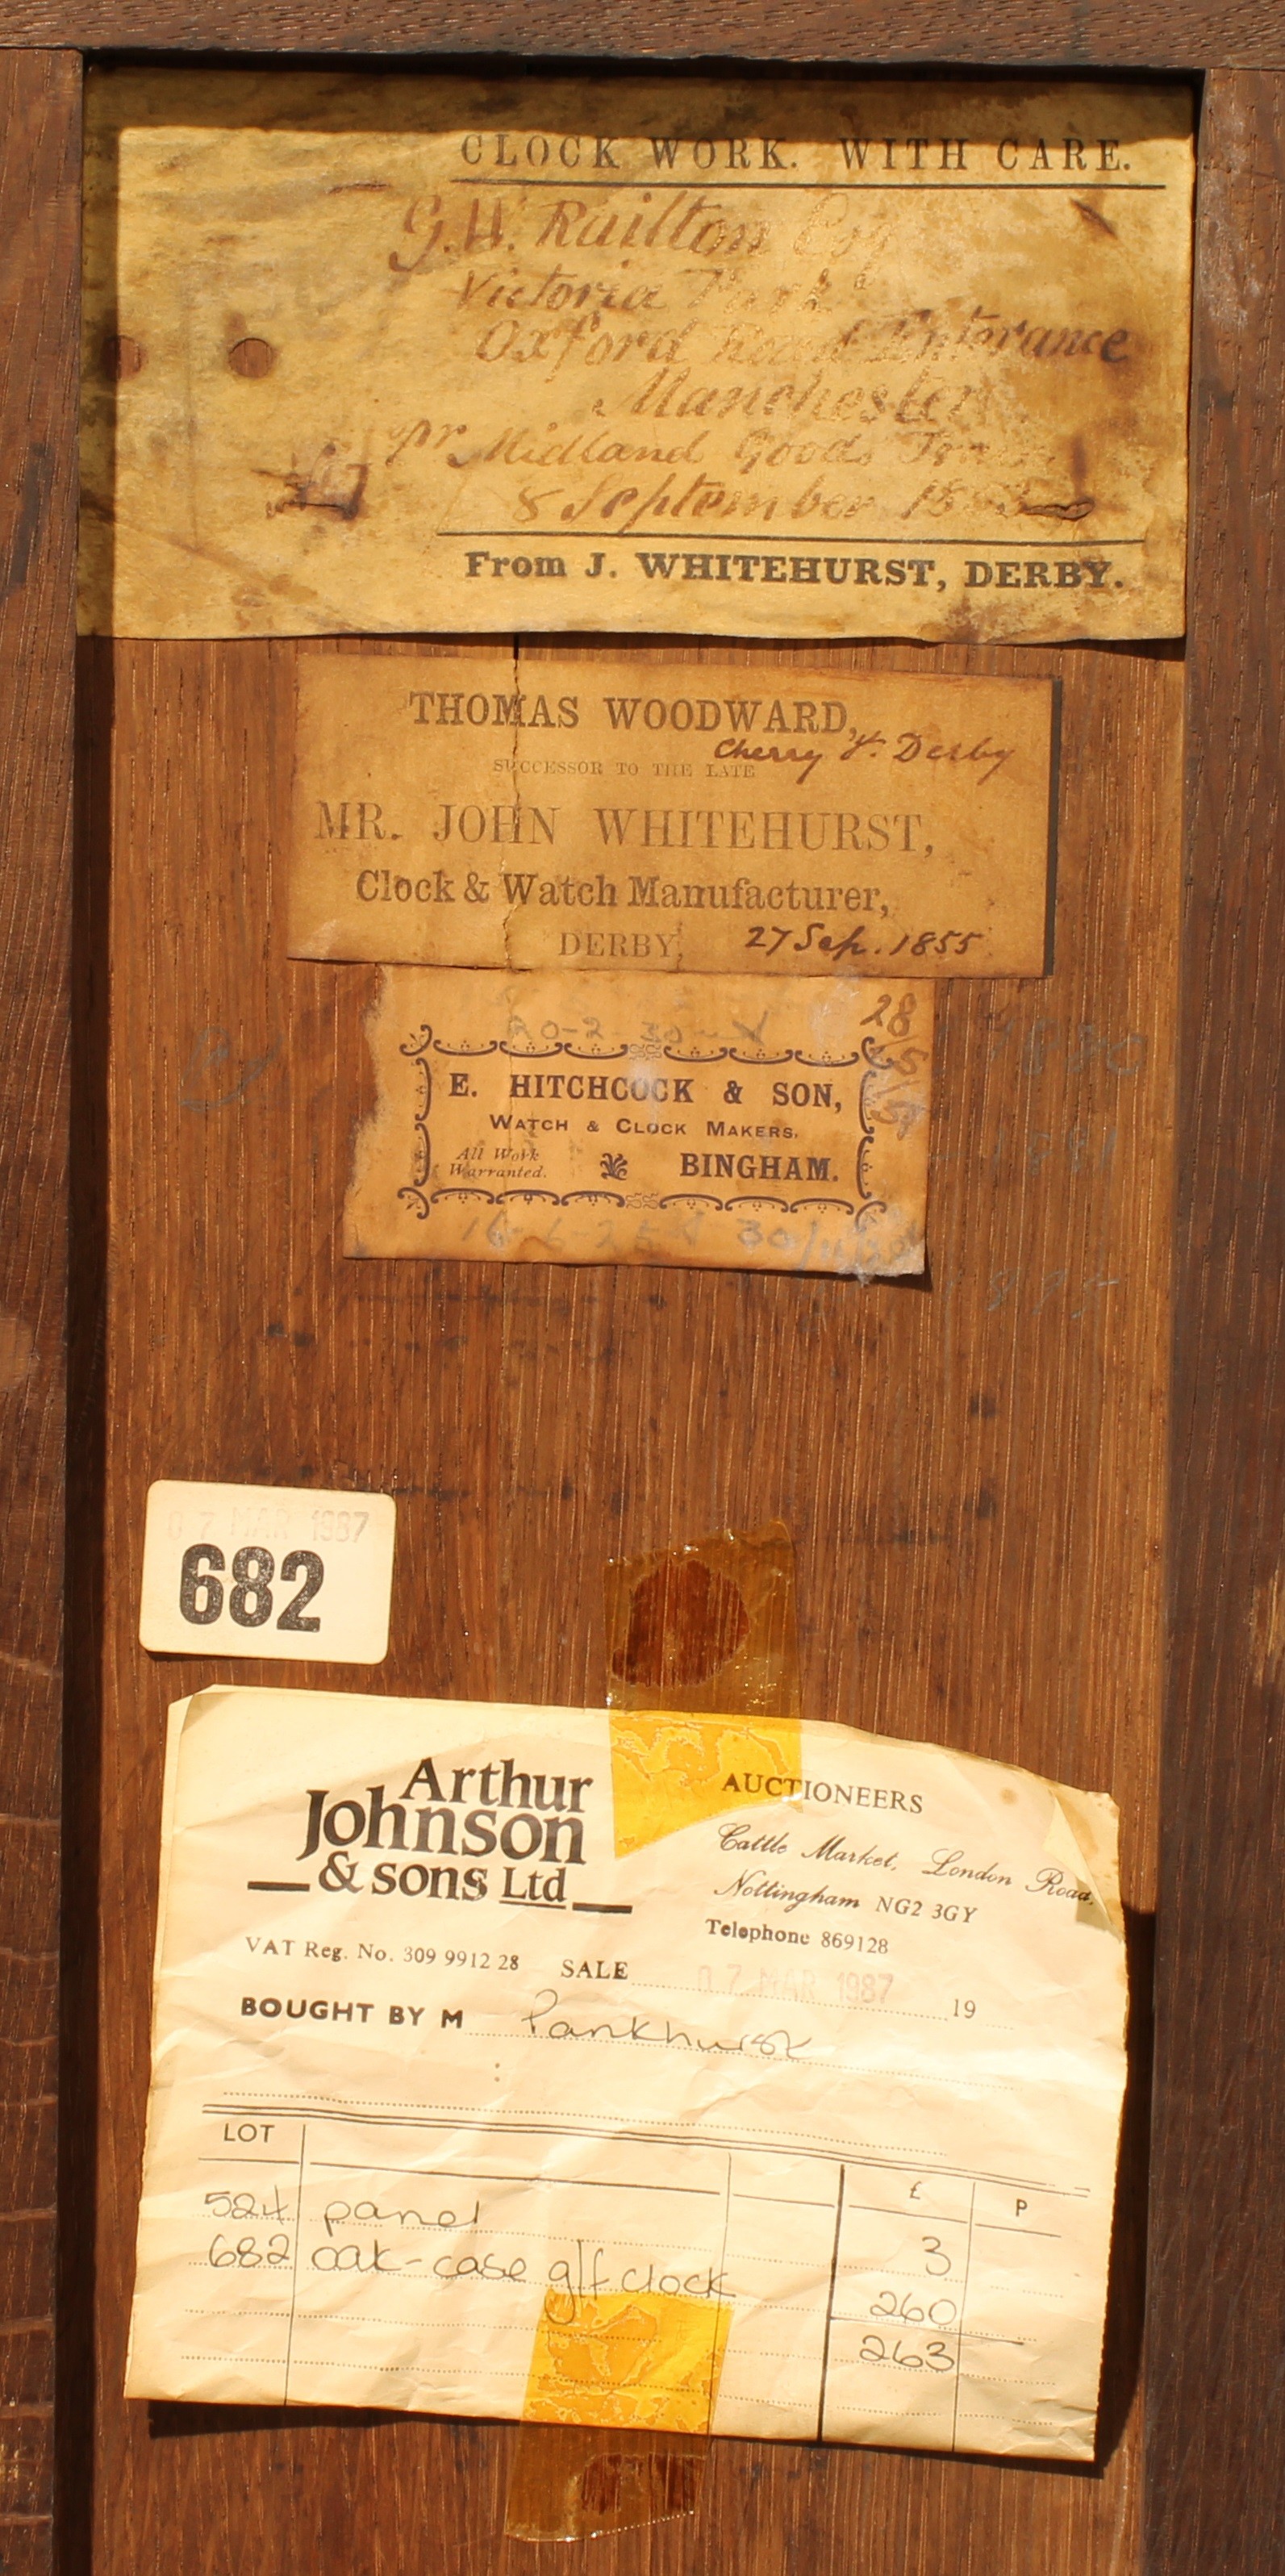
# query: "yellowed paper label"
(686, 817)
(659, 353)
(712, 1121)
(794, 2116)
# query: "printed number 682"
(249, 1598)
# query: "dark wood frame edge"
(1042, 34)
(39, 291)
(1215, 2387)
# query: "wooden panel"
(1148, 35)
(1218, 2399)
(649, 1460)
(1011, 1448)
(973, 1470)
(39, 184)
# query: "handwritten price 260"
(908, 2312)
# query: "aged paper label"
(276, 1571)
(710, 356)
(695, 2073)
(713, 1121)
(524, 811)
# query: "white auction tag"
(276, 1571)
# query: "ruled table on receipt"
(872, 2287)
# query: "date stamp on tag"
(272, 1571)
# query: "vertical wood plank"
(973, 1470)
(39, 244)
(1217, 2391)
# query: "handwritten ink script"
(521, 810)
(716, 1122)
(656, 353)
(712, 2074)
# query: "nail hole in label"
(252, 358)
(120, 356)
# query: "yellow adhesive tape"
(672, 1771)
(568, 2482)
(710, 1626)
(648, 2360)
(703, 1683)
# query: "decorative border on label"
(418, 1048)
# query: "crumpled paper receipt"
(696, 2073)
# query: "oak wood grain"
(973, 1471)
(1092, 34)
(1217, 2397)
(39, 226)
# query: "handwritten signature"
(650, 2032)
